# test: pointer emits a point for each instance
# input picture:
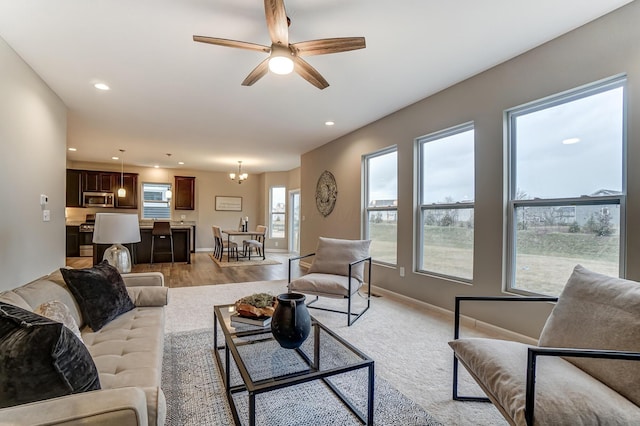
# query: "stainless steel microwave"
(98, 199)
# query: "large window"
(278, 212)
(446, 197)
(156, 201)
(381, 204)
(567, 187)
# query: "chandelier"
(240, 176)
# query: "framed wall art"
(228, 204)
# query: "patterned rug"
(255, 261)
(195, 394)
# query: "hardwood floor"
(204, 271)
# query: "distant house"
(567, 215)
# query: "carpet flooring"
(407, 341)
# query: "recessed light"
(101, 86)
(72, 149)
(181, 162)
(115, 158)
(570, 141)
(157, 166)
(329, 123)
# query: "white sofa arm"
(148, 296)
(122, 407)
(136, 279)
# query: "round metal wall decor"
(326, 193)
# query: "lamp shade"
(116, 228)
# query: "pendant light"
(169, 193)
(121, 191)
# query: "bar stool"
(161, 230)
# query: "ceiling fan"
(285, 57)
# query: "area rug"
(195, 394)
(255, 261)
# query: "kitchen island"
(141, 252)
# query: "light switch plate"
(46, 215)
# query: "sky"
(545, 167)
(548, 168)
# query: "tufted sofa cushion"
(128, 352)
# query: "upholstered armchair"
(337, 271)
(584, 370)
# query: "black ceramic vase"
(291, 322)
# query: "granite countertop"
(73, 222)
(174, 225)
(145, 224)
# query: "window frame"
(510, 115)
(272, 212)
(422, 208)
(365, 199)
(167, 201)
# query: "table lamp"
(117, 229)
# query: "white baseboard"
(209, 249)
(464, 320)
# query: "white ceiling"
(172, 95)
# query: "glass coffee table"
(252, 363)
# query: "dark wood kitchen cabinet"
(95, 181)
(73, 241)
(185, 191)
(130, 183)
(74, 188)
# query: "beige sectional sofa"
(127, 353)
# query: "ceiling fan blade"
(328, 45)
(231, 43)
(277, 21)
(257, 73)
(309, 73)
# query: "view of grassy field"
(545, 256)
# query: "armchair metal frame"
(533, 353)
(351, 316)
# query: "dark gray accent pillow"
(100, 293)
(40, 359)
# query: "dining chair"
(220, 244)
(256, 243)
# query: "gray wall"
(603, 48)
(33, 123)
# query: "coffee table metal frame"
(222, 317)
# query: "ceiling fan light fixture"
(280, 61)
(280, 65)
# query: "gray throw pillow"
(40, 359)
(57, 311)
(334, 255)
(100, 293)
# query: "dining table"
(234, 233)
